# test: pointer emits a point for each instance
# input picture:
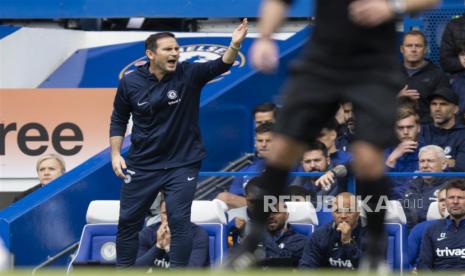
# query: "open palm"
(240, 32)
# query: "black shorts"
(311, 100)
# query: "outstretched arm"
(264, 52)
(237, 37)
(371, 13)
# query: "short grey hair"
(437, 149)
(53, 156)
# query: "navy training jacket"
(165, 114)
(150, 255)
(324, 249)
(443, 246)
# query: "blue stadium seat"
(218, 237)
(324, 217)
(97, 245)
(303, 228)
(397, 246)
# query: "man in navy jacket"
(422, 191)
(404, 156)
(235, 197)
(338, 244)
(162, 97)
(416, 235)
(443, 244)
(446, 131)
(155, 243)
(423, 76)
(282, 246)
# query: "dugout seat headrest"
(433, 212)
(103, 211)
(301, 212)
(207, 211)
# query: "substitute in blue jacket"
(235, 197)
(446, 130)
(422, 191)
(282, 246)
(337, 244)
(404, 156)
(163, 99)
(416, 234)
(443, 244)
(155, 245)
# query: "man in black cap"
(446, 131)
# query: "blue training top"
(150, 255)
(165, 114)
(324, 249)
(414, 241)
(443, 246)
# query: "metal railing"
(351, 180)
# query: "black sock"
(273, 180)
(376, 189)
(271, 183)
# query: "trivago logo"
(340, 263)
(446, 252)
(193, 53)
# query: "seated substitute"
(346, 130)
(422, 76)
(443, 244)
(422, 191)
(155, 241)
(234, 198)
(316, 159)
(414, 238)
(338, 244)
(404, 156)
(48, 167)
(328, 136)
(446, 130)
(282, 246)
(264, 113)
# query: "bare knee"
(368, 162)
(285, 151)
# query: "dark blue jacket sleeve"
(426, 252)
(148, 257)
(353, 252)
(148, 251)
(312, 257)
(205, 72)
(236, 186)
(449, 50)
(121, 110)
(413, 245)
(295, 249)
(460, 157)
(200, 249)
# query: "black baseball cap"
(445, 93)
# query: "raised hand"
(264, 55)
(326, 180)
(370, 13)
(346, 231)
(239, 33)
(411, 93)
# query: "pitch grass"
(268, 272)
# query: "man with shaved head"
(337, 244)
